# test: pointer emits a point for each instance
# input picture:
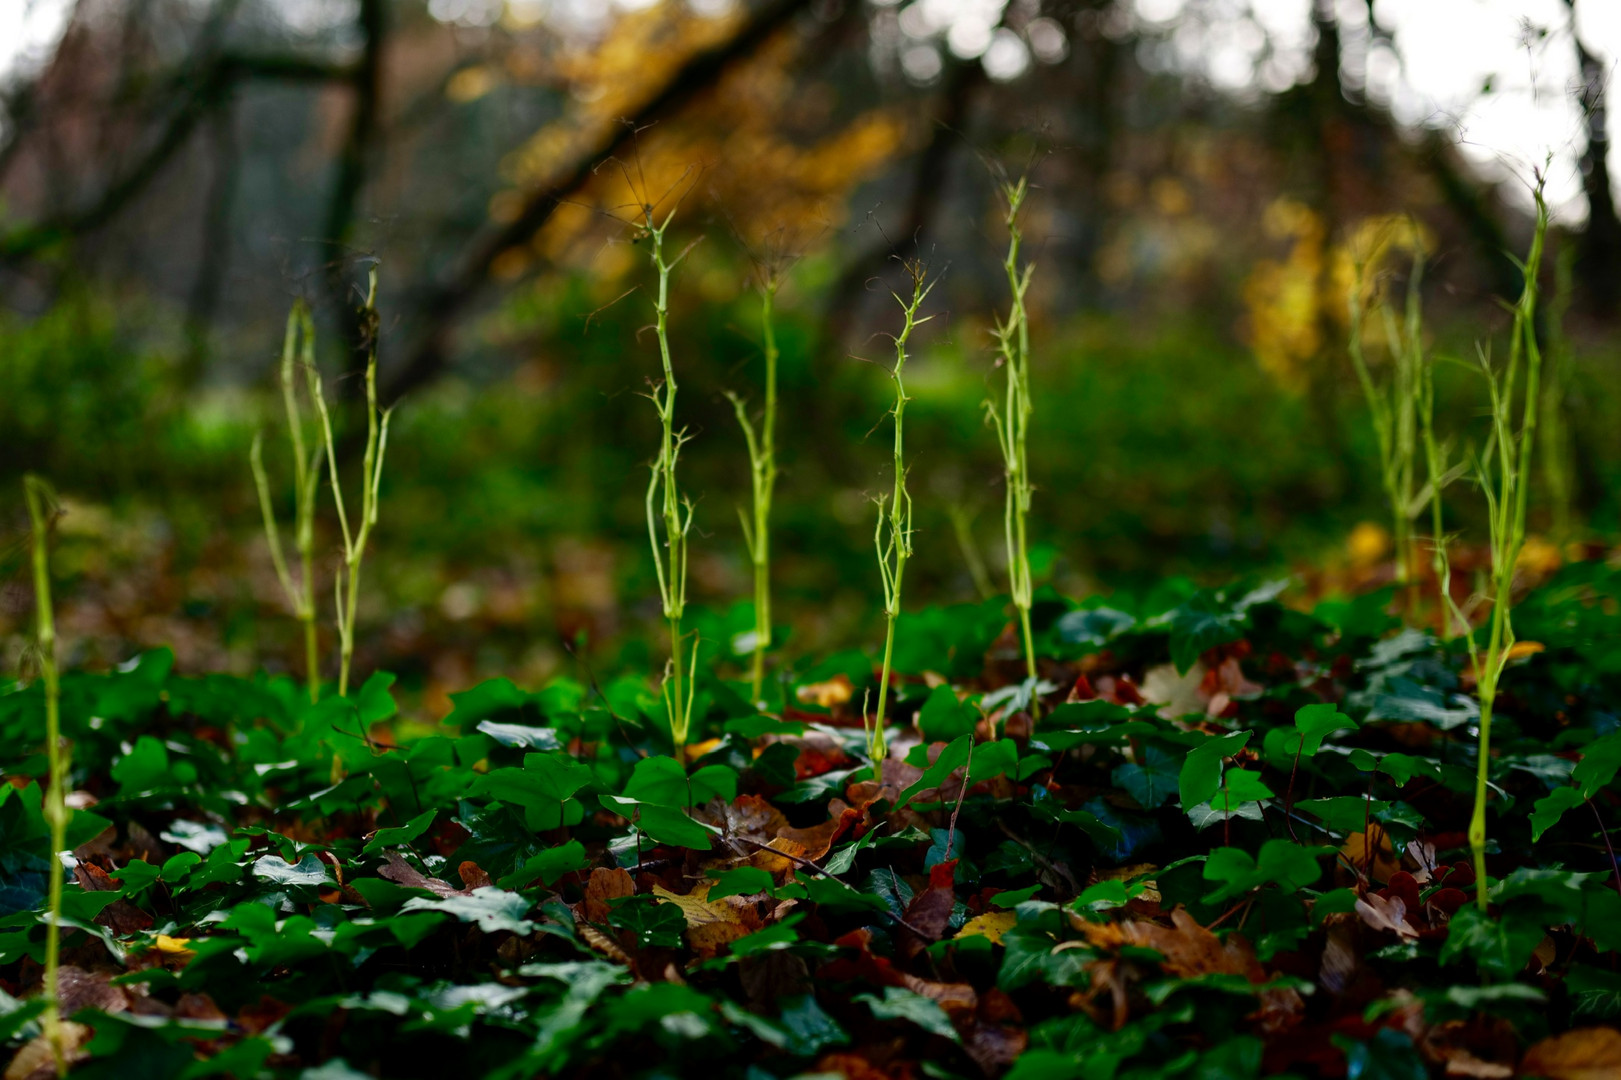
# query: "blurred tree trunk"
(1598, 262)
(354, 161)
(214, 248)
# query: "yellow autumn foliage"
(1294, 302)
(761, 145)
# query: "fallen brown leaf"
(991, 926)
(400, 872)
(37, 1059)
(1386, 914)
(605, 884)
(1583, 1054)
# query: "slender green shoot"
(346, 586)
(893, 536)
(1558, 457)
(667, 507)
(1506, 482)
(306, 482)
(1011, 419)
(41, 510)
(762, 447)
(962, 527)
(1394, 409)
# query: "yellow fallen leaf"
(1522, 649)
(1584, 1054)
(836, 691)
(1538, 556)
(699, 749)
(697, 908)
(1367, 544)
(991, 925)
(1135, 872)
(176, 945)
(37, 1054)
(1385, 862)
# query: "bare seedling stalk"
(1012, 423)
(1507, 486)
(893, 536)
(762, 446)
(41, 509)
(1558, 468)
(1394, 409)
(1435, 453)
(962, 527)
(665, 503)
(346, 586)
(298, 347)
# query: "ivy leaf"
(549, 865)
(1551, 807)
(810, 1029)
(543, 787)
(1316, 722)
(901, 1004)
(400, 836)
(147, 768)
(1499, 947)
(1200, 777)
(655, 925)
(1092, 627)
(1104, 895)
(661, 781)
(492, 909)
(1283, 863)
(309, 870)
(1240, 786)
(374, 703)
(1207, 814)
(1601, 759)
(1596, 992)
(666, 825)
(1398, 766)
(1106, 836)
(1209, 619)
(944, 718)
(1151, 779)
(1389, 1055)
(952, 757)
(743, 881)
(533, 738)
(490, 698)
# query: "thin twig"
(962, 789)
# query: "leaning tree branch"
(928, 190)
(445, 300)
(366, 89)
(209, 88)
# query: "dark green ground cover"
(533, 886)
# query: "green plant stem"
(1558, 470)
(40, 500)
(893, 536)
(1435, 467)
(346, 586)
(1012, 426)
(678, 737)
(664, 500)
(1393, 411)
(306, 481)
(1507, 505)
(762, 448)
(962, 529)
